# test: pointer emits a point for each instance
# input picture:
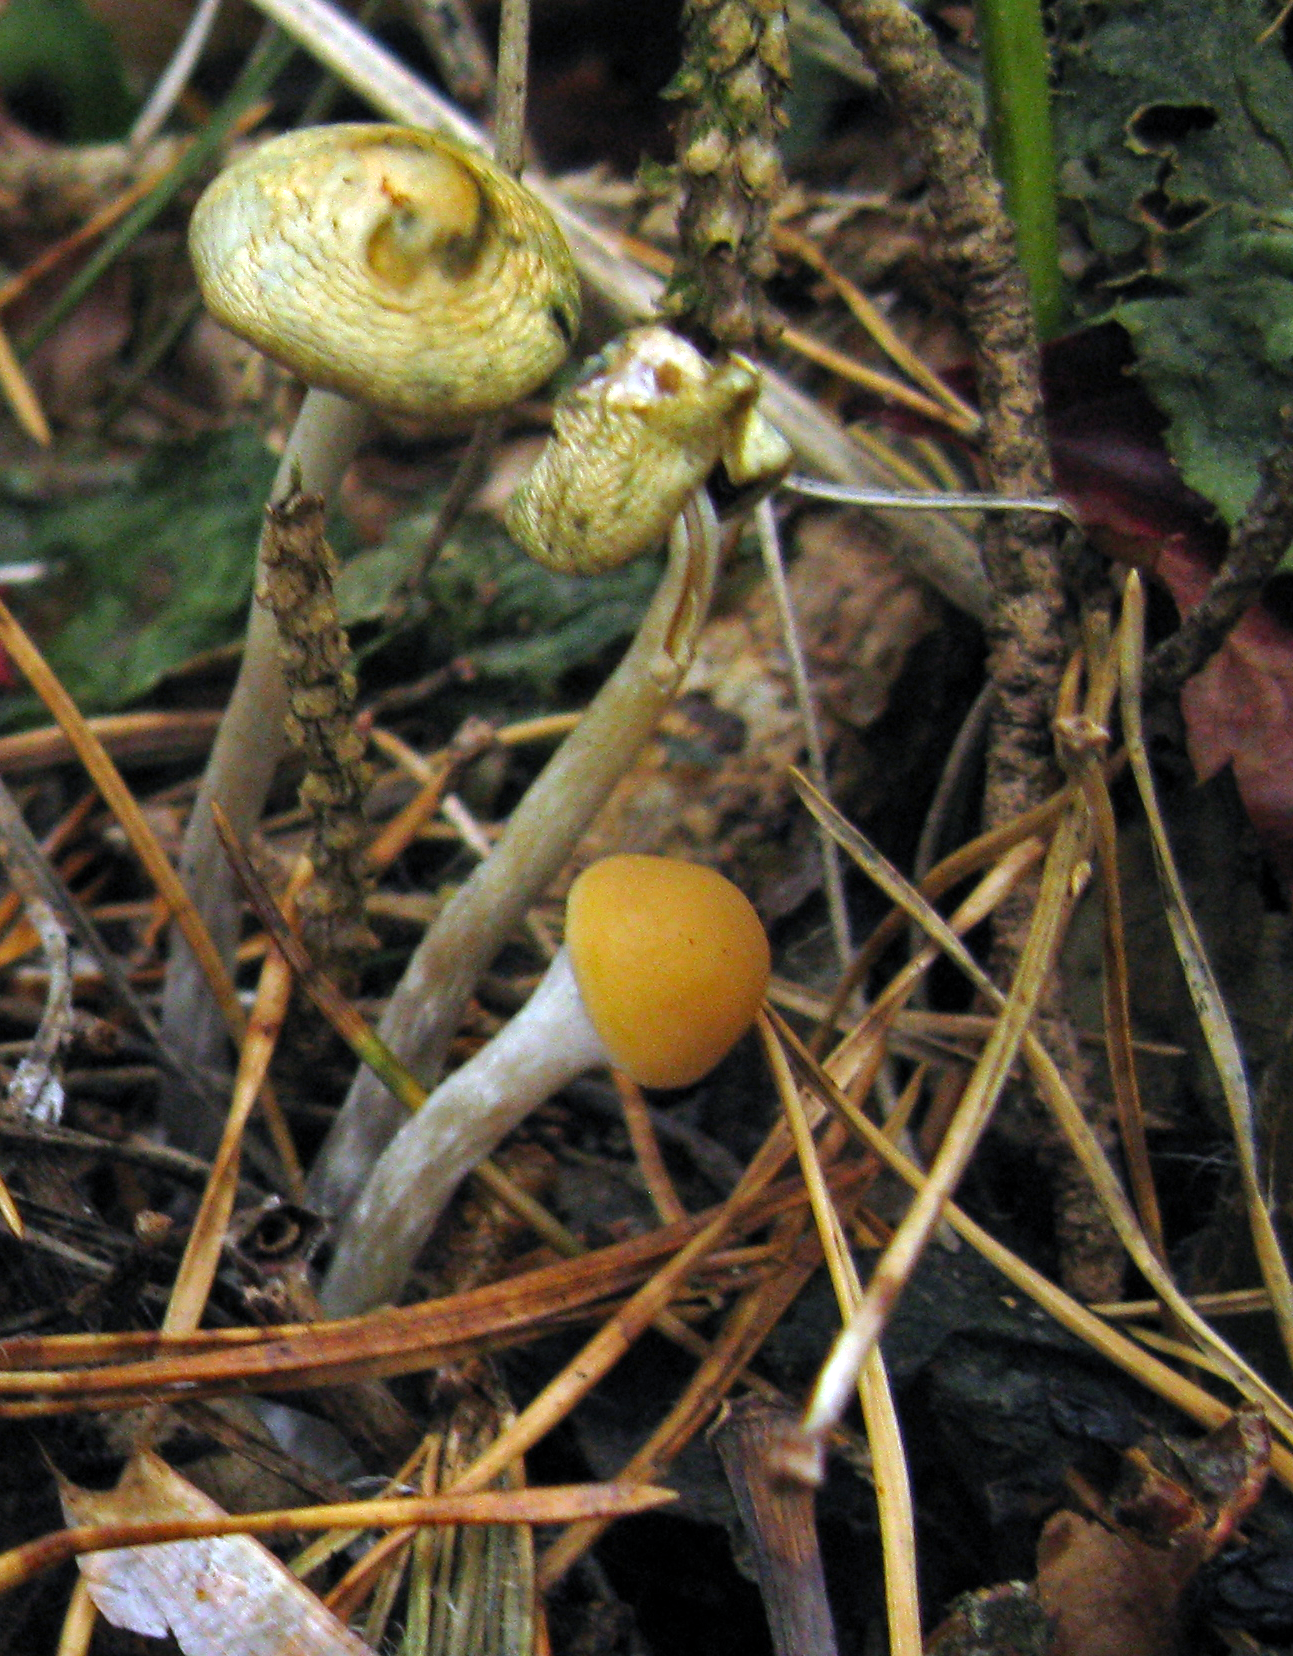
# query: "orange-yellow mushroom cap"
(671, 963)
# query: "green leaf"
(59, 64)
(1175, 129)
(153, 572)
(488, 602)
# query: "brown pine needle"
(1205, 992)
(1124, 1353)
(868, 315)
(893, 1486)
(646, 1150)
(560, 1503)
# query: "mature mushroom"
(394, 270)
(392, 265)
(663, 969)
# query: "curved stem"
(544, 828)
(240, 771)
(547, 1044)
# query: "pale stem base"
(547, 1044)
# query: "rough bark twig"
(778, 1518)
(1257, 544)
(300, 570)
(732, 83)
(1025, 627)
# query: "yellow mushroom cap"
(390, 264)
(671, 963)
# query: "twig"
(778, 1517)
(513, 82)
(732, 83)
(832, 872)
(300, 571)
(157, 1158)
(1025, 627)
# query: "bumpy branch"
(1026, 638)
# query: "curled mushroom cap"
(671, 962)
(644, 425)
(389, 264)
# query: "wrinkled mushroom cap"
(671, 963)
(389, 264)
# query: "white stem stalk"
(240, 772)
(547, 1044)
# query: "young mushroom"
(663, 969)
(634, 441)
(395, 271)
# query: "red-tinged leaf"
(1239, 708)
(1112, 466)
(1108, 453)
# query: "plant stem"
(1016, 73)
(542, 1049)
(248, 746)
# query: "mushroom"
(663, 968)
(391, 265)
(394, 270)
(634, 441)
(645, 423)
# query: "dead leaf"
(219, 1596)
(1107, 1594)
(1239, 709)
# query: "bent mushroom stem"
(240, 771)
(424, 1010)
(664, 967)
(544, 1047)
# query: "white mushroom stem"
(547, 1044)
(543, 830)
(240, 772)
